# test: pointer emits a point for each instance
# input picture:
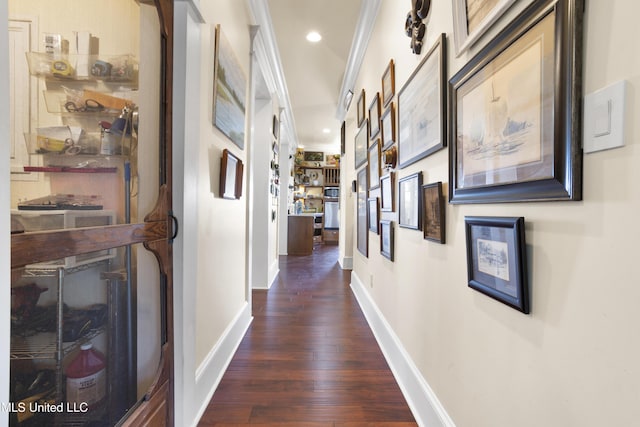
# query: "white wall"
(572, 361)
(5, 293)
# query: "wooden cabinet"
(300, 235)
(331, 237)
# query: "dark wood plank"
(309, 358)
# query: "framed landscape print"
(422, 108)
(229, 89)
(374, 116)
(433, 211)
(472, 18)
(361, 111)
(516, 112)
(374, 165)
(386, 192)
(374, 214)
(388, 84)
(362, 233)
(361, 145)
(386, 239)
(388, 123)
(496, 259)
(409, 206)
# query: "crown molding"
(364, 29)
(269, 59)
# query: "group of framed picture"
(512, 126)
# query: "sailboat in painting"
(498, 134)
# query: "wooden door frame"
(156, 233)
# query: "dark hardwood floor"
(309, 357)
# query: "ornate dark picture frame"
(497, 259)
(525, 142)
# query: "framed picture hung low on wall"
(229, 88)
(496, 259)
(515, 112)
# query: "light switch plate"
(604, 118)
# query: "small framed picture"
(386, 193)
(386, 239)
(361, 113)
(275, 127)
(496, 259)
(231, 169)
(433, 208)
(409, 207)
(388, 123)
(362, 235)
(374, 165)
(374, 214)
(388, 84)
(313, 156)
(374, 116)
(361, 144)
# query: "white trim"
(364, 29)
(423, 402)
(274, 270)
(5, 272)
(260, 13)
(346, 262)
(194, 11)
(210, 372)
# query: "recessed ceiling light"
(314, 37)
(326, 130)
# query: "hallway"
(309, 357)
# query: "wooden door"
(155, 233)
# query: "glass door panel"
(84, 288)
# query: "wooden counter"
(300, 235)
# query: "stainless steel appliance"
(332, 192)
(331, 218)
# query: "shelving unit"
(98, 111)
(46, 345)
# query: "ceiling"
(314, 71)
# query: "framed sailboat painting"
(515, 128)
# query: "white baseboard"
(346, 262)
(274, 270)
(425, 406)
(210, 372)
